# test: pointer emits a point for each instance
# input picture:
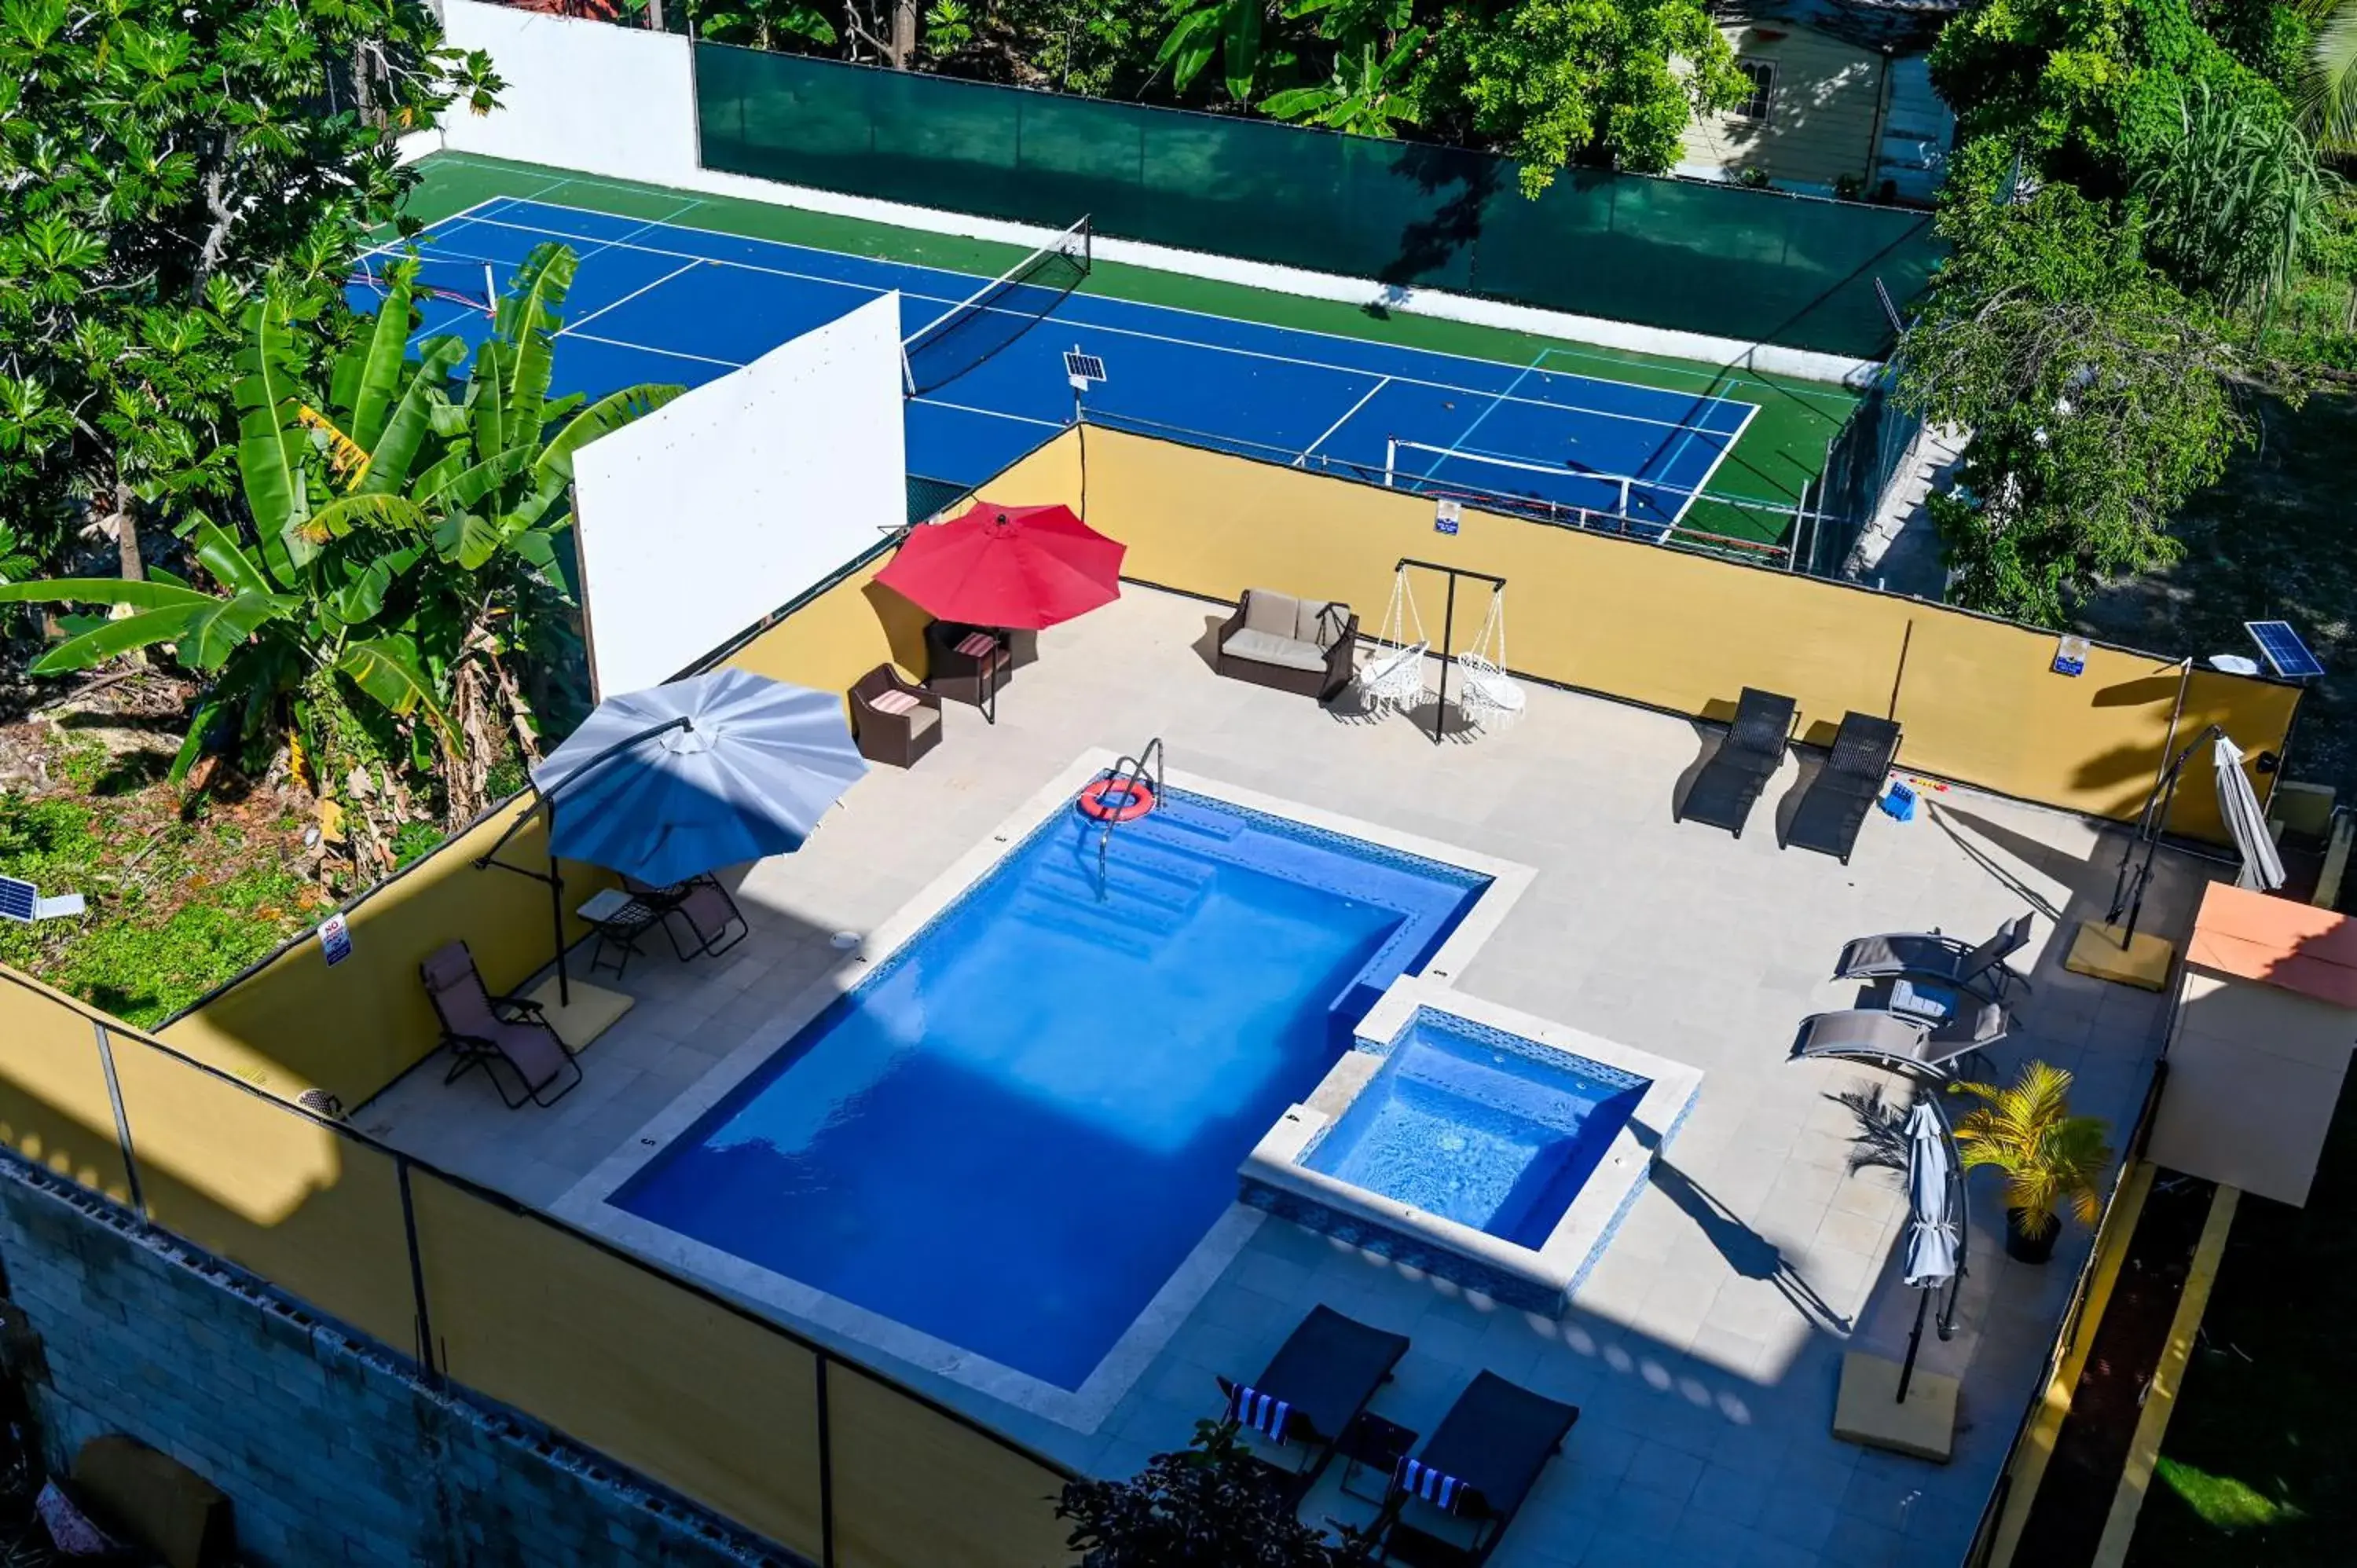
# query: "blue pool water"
(1473, 1126)
(1010, 1133)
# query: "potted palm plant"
(2049, 1156)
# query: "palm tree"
(397, 542)
(2329, 105)
(2049, 1156)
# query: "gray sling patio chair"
(1947, 959)
(496, 1032)
(1899, 1040)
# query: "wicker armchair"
(895, 720)
(959, 667)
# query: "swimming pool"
(1015, 1128)
(1469, 1127)
(1473, 1142)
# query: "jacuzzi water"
(1012, 1132)
(1470, 1126)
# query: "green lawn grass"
(1782, 450)
(183, 892)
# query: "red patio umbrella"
(1021, 567)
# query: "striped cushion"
(974, 645)
(1437, 1487)
(1264, 1414)
(893, 702)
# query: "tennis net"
(994, 315)
(1600, 502)
(433, 279)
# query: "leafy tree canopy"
(2096, 392)
(2078, 88)
(157, 158)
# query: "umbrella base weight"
(2144, 962)
(1866, 1412)
(592, 1011)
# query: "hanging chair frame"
(1447, 625)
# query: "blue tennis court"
(665, 302)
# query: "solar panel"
(2284, 650)
(17, 899)
(1083, 367)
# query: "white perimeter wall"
(702, 518)
(620, 101)
(580, 94)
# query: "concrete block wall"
(333, 1449)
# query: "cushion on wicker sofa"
(1268, 648)
(1278, 615)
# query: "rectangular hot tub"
(1465, 1140)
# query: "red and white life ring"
(1116, 801)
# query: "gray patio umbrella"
(1932, 1249)
(2239, 804)
(683, 778)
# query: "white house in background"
(1842, 99)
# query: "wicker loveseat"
(1293, 645)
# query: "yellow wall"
(1977, 699)
(844, 632)
(315, 1211)
(915, 1490)
(704, 1400)
(1821, 115)
(54, 1108)
(354, 1028)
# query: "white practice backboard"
(708, 514)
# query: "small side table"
(1372, 1443)
(620, 920)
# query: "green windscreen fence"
(1747, 265)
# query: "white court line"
(1195, 343)
(1716, 463)
(399, 247)
(651, 348)
(1553, 347)
(1302, 461)
(571, 330)
(997, 413)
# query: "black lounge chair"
(1315, 1385)
(1900, 1040)
(1928, 955)
(1844, 790)
(1729, 784)
(1481, 1463)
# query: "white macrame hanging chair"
(1489, 695)
(1395, 676)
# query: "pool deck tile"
(1705, 1348)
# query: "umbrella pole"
(1914, 1342)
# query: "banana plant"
(1369, 93)
(1228, 30)
(392, 524)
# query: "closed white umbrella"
(1930, 1259)
(1931, 1249)
(2239, 804)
